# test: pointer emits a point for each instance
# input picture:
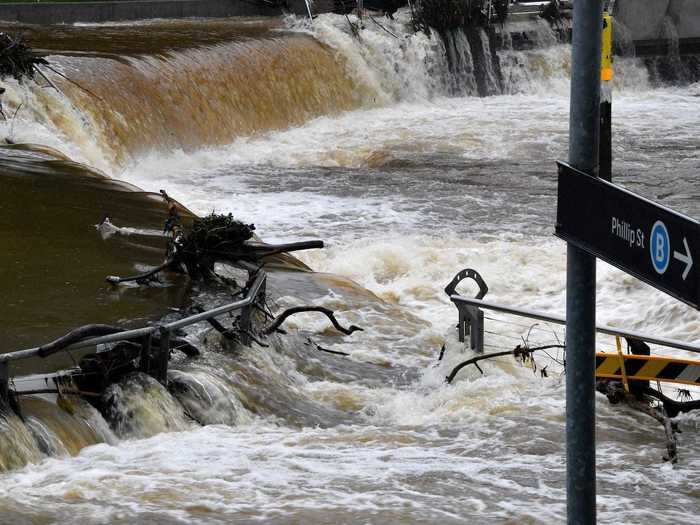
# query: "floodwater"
(308, 133)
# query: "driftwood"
(299, 309)
(211, 239)
(671, 406)
(383, 27)
(216, 325)
(142, 277)
(96, 330)
(521, 352)
(309, 341)
(79, 334)
(616, 393)
(64, 77)
(181, 344)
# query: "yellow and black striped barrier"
(647, 368)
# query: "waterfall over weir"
(134, 101)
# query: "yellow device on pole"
(606, 76)
(606, 67)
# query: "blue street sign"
(659, 247)
(639, 236)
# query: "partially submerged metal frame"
(471, 319)
(474, 323)
(153, 361)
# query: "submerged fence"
(153, 358)
(471, 322)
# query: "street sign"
(643, 238)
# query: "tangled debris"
(120, 354)
(211, 239)
(17, 60)
(554, 12)
(638, 395)
(195, 249)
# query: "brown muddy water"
(310, 133)
(54, 261)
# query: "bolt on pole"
(584, 133)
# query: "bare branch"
(299, 309)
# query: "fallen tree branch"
(97, 330)
(72, 82)
(255, 339)
(114, 279)
(384, 28)
(48, 80)
(300, 309)
(519, 351)
(84, 332)
(616, 393)
(216, 325)
(671, 406)
(442, 353)
(183, 345)
(329, 351)
(309, 341)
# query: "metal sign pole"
(580, 274)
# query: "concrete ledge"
(686, 16)
(643, 18)
(69, 12)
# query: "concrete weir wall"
(69, 12)
(686, 15)
(645, 18)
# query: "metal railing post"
(4, 384)
(471, 323)
(462, 324)
(245, 325)
(161, 364)
(145, 357)
(476, 336)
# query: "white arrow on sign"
(686, 258)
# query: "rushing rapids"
(381, 146)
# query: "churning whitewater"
(379, 147)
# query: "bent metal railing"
(471, 317)
(466, 305)
(153, 363)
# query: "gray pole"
(580, 272)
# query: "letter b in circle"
(660, 247)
